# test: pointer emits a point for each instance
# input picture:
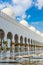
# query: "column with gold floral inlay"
(5, 49)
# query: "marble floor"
(5, 59)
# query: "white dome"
(8, 11)
(38, 32)
(42, 34)
(23, 22)
(32, 28)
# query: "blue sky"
(30, 10)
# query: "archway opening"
(16, 38)
(2, 34)
(25, 39)
(9, 37)
(21, 39)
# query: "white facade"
(8, 24)
(32, 39)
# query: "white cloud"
(18, 10)
(3, 5)
(39, 4)
(21, 6)
(18, 19)
(24, 16)
(35, 23)
(16, 1)
(26, 4)
(29, 16)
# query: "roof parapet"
(12, 19)
(7, 17)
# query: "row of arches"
(16, 38)
(10, 36)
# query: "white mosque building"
(18, 37)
